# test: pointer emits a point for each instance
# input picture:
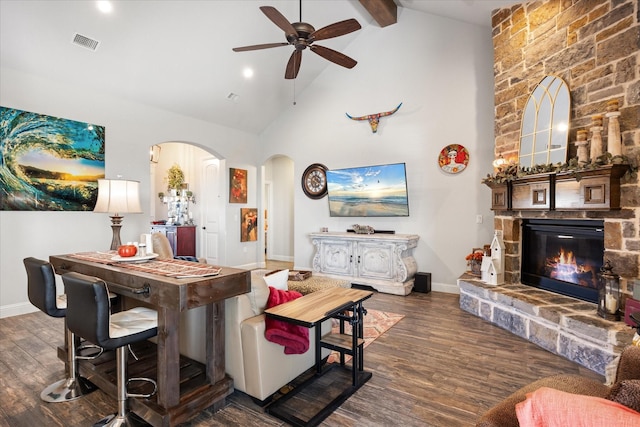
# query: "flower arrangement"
(474, 256)
(474, 261)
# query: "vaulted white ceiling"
(176, 55)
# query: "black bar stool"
(89, 316)
(41, 287)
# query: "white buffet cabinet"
(383, 261)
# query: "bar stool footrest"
(148, 380)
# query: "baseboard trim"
(251, 266)
(445, 287)
(283, 258)
(16, 309)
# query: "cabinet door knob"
(204, 228)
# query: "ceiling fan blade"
(334, 56)
(278, 19)
(258, 46)
(335, 30)
(293, 66)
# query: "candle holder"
(581, 144)
(614, 141)
(609, 293)
(596, 139)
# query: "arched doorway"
(203, 176)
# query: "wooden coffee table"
(310, 311)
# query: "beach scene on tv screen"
(368, 191)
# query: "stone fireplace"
(565, 325)
(594, 46)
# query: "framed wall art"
(248, 224)
(49, 163)
(237, 185)
(453, 158)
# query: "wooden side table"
(310, 311)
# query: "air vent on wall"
(85, 41)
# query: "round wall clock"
(314, 181)
(453, 158)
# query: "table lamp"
(117, 196)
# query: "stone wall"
(594, 45)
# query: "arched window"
(545, 124)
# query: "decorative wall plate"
(453, 158)
(314, 181)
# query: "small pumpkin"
(126, 251)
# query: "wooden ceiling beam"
(385, 12)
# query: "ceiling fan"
(302, 35)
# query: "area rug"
(376, 323)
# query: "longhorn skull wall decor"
(374, 119)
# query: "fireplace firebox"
(563, 256)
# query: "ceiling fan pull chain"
(294, 91)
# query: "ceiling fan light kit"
(302, 35)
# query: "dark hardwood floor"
(439, 366)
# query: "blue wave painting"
(368, 191)
(48, 163)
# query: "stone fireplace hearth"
(562, 325)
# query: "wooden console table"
(383, 261)
(169, 296)
(310, 311)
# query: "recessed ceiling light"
(247, 73)
(104, 6)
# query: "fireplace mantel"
(588, 189)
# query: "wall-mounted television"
(368, 191)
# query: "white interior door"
(212, 212)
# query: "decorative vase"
(476, 269)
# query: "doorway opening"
(278, 209)
(203, 172)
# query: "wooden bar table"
(178, 398)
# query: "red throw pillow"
(547, 407)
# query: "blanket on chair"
(294, 338)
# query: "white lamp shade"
(118, 196)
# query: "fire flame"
(564, 266)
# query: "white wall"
(130, 130)
(442, 71)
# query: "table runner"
(165, 267)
